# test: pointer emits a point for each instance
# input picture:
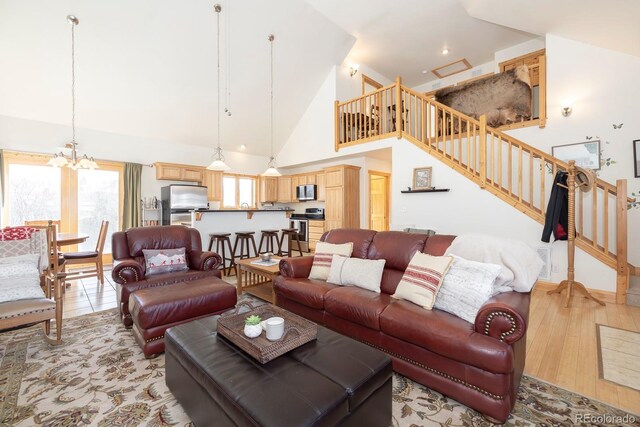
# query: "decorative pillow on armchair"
(323, 257)
(466, 287)
(422, 279)
(159, 261)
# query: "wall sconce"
(566, 111)
(353, 70)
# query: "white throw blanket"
(521, 265)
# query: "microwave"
(306, 192)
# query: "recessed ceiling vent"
(452, 68)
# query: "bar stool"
(223, 238)
(245, 237)
(291, 233)
(267, 237)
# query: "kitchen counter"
(246, 210)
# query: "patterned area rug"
(100, 377)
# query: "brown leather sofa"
(128, 260)
(479, 365)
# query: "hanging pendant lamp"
(271, 167)
(60, 160)
(218, 163)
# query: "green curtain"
(1, 178)
(132, 195)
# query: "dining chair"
(43, 223)
(89, 257)
(45, 304)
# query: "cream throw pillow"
(323, 257)
(363, 273)
(422, 279)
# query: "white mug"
(275, 328)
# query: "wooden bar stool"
(268, 237)
(245, 237)
(291, 233)
(223, 239)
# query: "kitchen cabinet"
(213, 181)
(295, 181)
(268, 189)
(176, 172)
(311, 179)
(284, 190)
(302, 180)
(316, 229)
(320, 182)
(342, 197)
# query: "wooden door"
(378, 202)
(192, 174)
(284, 189)
(333, 177)
(213, 181)
(168, 171)
(321, 187)
(334, 208)
(268, 189)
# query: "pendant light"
(218, 163)
(271, 170)
(59, 160)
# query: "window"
(238, 190)
(79, 199)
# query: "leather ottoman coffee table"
(153, 310)
(333, 380)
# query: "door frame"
(387, 176)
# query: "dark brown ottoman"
(333, 380)
(153, 310)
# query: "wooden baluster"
(493, 158)
(336, 119)
(500, 163)
(606, 221)
(483, 151)
(468, 145)
(594, 219)
(531, 179)
(459, 140)
(399, 122)
(580, 208)
(622, 279)
(543, 170)
(520, 173)
(510, 168)
(475, 151)
(425, 108)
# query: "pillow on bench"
(20, 278)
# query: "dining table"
(68, 239)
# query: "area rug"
(619, 356)
(99, 377)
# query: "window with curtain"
(237, 190)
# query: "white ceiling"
(147, 68)
(612, 24)
(404, 37)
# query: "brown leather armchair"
(129, 267)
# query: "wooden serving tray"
(297, 331)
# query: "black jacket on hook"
(557, 217)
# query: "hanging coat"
(557, 217)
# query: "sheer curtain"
(132, 195)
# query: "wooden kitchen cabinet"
(176, 172)
(268, 189)
(213, 181)
(295, 181)
(342, 197)
(284, 190)
(320, 193)
(302, 180)
(311, 179)
(316, 229)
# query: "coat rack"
(585, 181)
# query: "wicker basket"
(298, 331)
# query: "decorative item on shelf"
(585, 154)
(636, 158)
(271, 167)
(218, 163)
(59, 159)
(408, 188)
(252, 327)
(422, 178)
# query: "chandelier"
(218, 163)
(271, 167)
(72, 161)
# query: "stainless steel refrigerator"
(179, 200)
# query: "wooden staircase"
(517, 173)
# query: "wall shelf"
(433, 190)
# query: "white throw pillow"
(323, 257)
(363, 273)
(421, 280)
(466, 287)
(20, 278)
(31, 259)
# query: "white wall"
(348, 87)
(39, 137)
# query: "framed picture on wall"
(586, 154)
(422, 178)
(636, 158)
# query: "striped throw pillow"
(422, 279)
(323, 257)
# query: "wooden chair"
(43, 223)
(89, 257)
(43, 309)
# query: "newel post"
(336, 120)
(483, 151)
(399, 107)
(622, 270)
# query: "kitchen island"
(234, 220)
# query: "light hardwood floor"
(561, 343)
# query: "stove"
(301, 223)
(310, 213)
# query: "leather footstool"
(153, 310)
(333, 380)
